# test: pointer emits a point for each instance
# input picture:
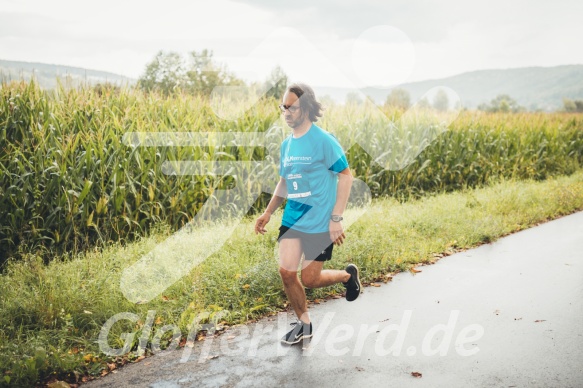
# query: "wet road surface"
(506, 314)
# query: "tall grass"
(476, 149)
(68, 182)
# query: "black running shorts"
(316, 246)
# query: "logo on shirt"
(291, 160)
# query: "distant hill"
(535, 88)
(46, 74)
(532, 87)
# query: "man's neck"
(302, 129)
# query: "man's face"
(294, 116)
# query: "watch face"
(336, 218)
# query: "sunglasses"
(292, 108)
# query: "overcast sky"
(334, 43)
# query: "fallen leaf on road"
(517, 319)
(212, 357)
(375, 284)
(415, 270)
(540, 320)
(359, 369)
(384, 320)
(58, 384)
(497, 312)
(416, 374)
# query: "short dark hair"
(307, 100)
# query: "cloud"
(422, 20)
(448, 37)
(122, 36)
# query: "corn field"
(69, 182)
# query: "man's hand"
(337, 233)
(261, 222)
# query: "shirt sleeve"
(334, 156)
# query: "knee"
(309, 281)
(288, 277)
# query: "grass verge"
(51, 315)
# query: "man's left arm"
(342, 194)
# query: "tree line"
(199, 74)
(400, 98)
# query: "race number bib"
(297, 187)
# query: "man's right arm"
(277, 199)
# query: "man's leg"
(290, 255)
(314, 277)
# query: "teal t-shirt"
(309, 165)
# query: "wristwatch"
(336, 218)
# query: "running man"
(316, 180)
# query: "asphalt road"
(506, 314)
